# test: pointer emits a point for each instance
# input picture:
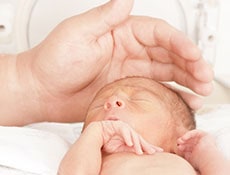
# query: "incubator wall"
(25, 23)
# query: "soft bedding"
(37, 149)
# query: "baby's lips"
(111, 117)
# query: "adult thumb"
(102, 19)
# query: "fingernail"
(152, 151)
(160, 149)
(140, 152)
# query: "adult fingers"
(177, 49)
(199, 69)
(194, 101)
(102, 19)
(156, 32)
(170, 72)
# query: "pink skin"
(120, 137)
(134, 110)
(87, 51)
(200, 149)
(109, 136)
(57, 74)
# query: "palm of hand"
(127, 49)
(113, 55)
(87, 51)
(75, 65)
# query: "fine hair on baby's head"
(182, 114)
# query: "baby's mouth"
(111, 117)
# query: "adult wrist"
(30, 87)
(19, 97)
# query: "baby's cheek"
(93, 116)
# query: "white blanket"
(216, 120)
(37, 149)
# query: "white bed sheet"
(215, 119)
(37, 149)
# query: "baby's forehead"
(133, 85)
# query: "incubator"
(25, 23)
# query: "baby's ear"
(176, 150)
(180, 133)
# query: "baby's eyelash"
(140, 101)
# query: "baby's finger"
(187, 136)
(136, 143)
(126, 134)
(149, 148)
(158, 149)
(180, 141)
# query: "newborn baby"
(138, 126)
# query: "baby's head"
(153, 110)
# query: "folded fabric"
(31, 150)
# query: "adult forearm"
(19, 102)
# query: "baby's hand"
(195, 145)
(120, 137)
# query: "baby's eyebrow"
(151, 95)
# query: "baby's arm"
(112, 136)
(200, 149)
(84, 157)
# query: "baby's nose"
(114, 103)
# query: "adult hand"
(89, 50)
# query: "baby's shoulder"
(159, 163)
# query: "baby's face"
(139, 106)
